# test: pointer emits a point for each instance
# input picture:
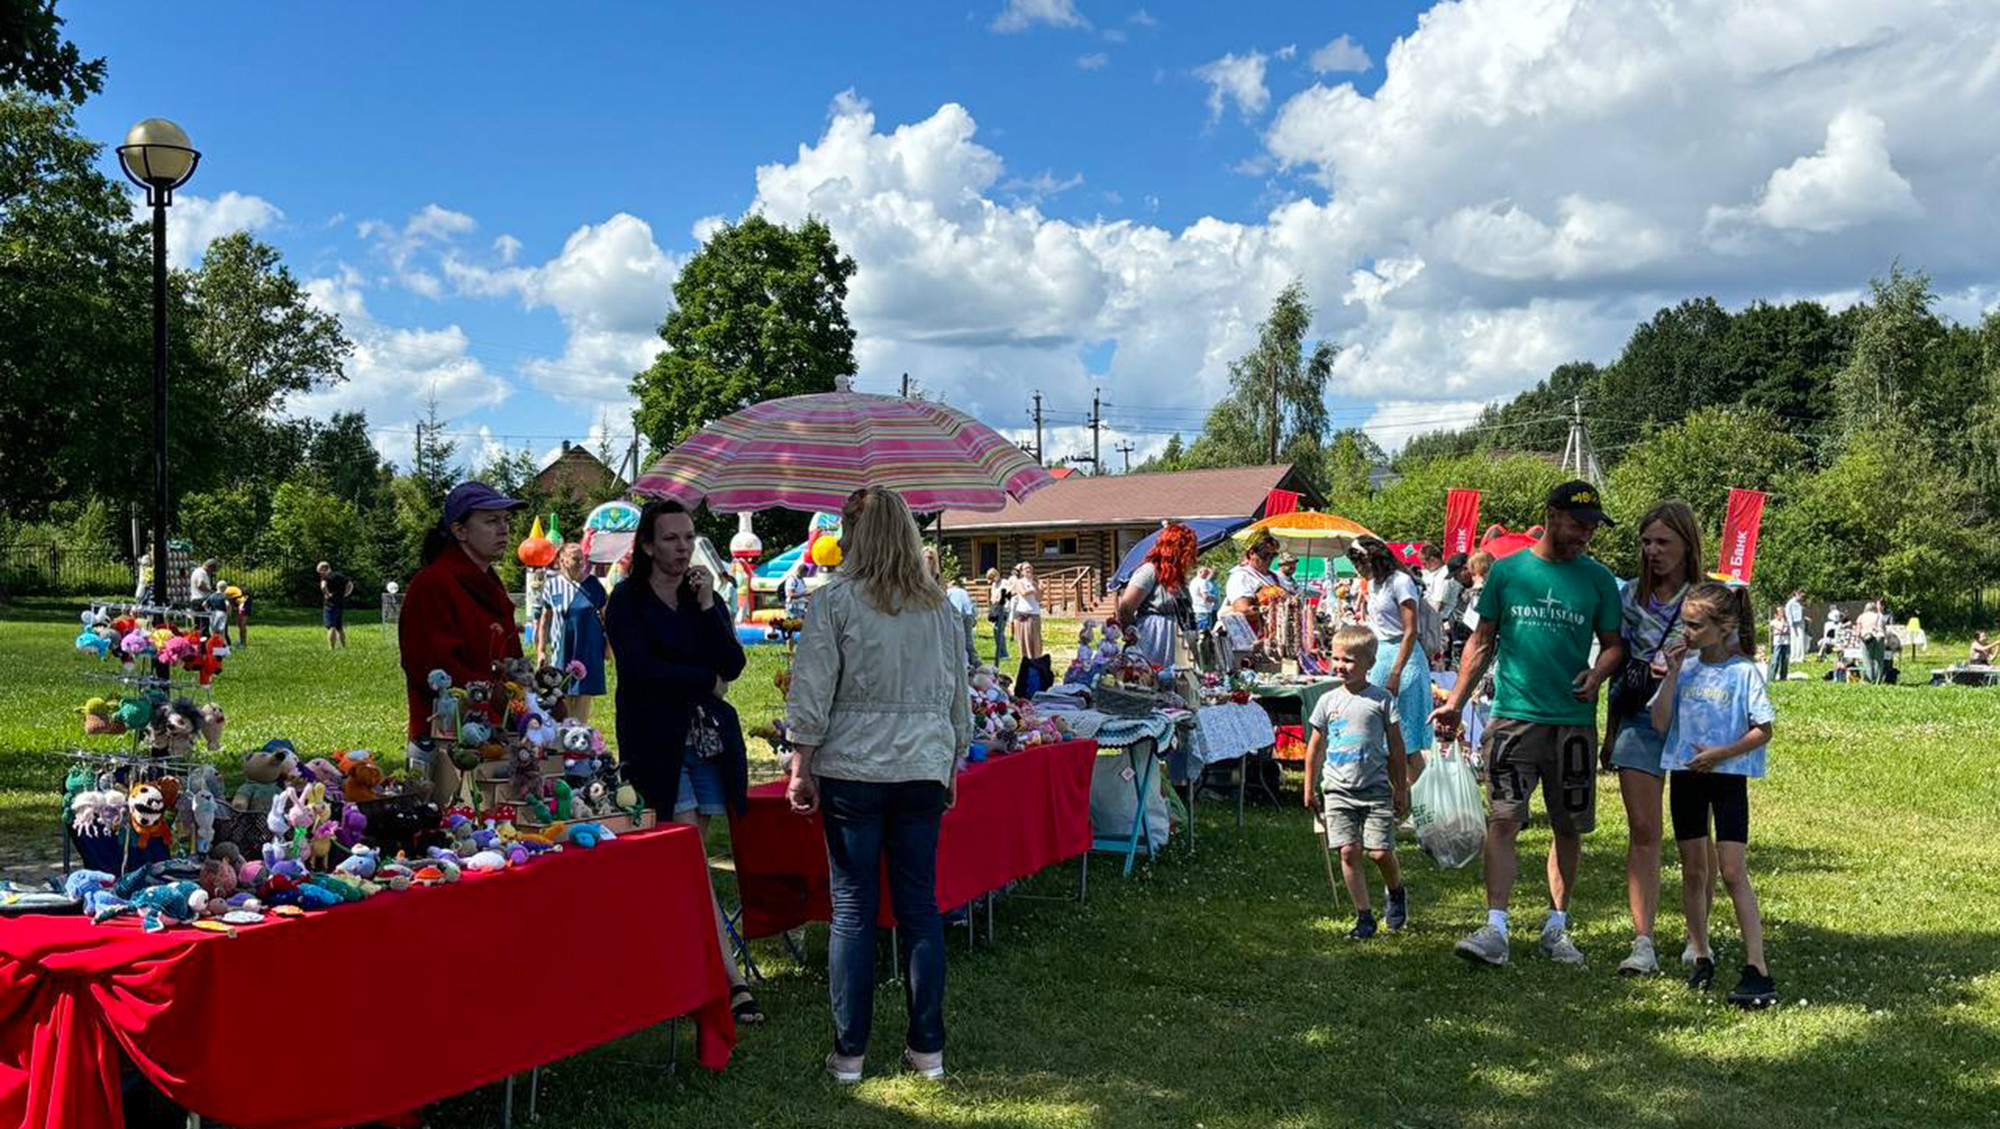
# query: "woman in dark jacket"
(676, 651)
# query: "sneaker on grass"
(1557, 946)
(844, 1069)
(1756, 989)
(1398, 914)
(1486, 945)
(1644, 961)
(1364, 927)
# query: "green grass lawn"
(1217, 990)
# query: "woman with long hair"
(1400, 667)
(571, 626)
(1156, 599)
(1025, 611)
(878, 713)
(679, 741)
(1669, 566)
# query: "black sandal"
(743, 1006)
(1703, 974)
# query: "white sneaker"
(1644, 961)
(1689, 956)
(929, 1065)
(844, 1069)
(1486, 945)
(1557, 946)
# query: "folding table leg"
(1242, 786)
(989, 918)
(1083, 877)
(534, 1090)
(1140, 824)
(194, 1119)
(673, 1045)
(507, 1105)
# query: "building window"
(1057, 546)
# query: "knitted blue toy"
(174, 902)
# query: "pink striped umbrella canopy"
(809, 453)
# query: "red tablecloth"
(363, 1010)
(1016, 814)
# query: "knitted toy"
(343, 887)
(264, 769)
(177, 650)
(204, 821)
(486, 861)
(362, 861)
(92, 890)
(444, 706)
(595, 799)
(134, 713)
(98, 719)
(212, 720)
(93, 643)
(170, 903)
(218, 880)
(322, 772)
(134, 647)
(149, 806)
(207, 661)
(321, 844)
(589, 835)
(183, 722)
(353, 825)
(100, 812)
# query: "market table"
(1225, 732)
(1292, 702)
(394, 1002)
(1016, 814)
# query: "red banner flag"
(1280, 502)
(1739, 534)
(1461, 521)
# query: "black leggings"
(1695, 794)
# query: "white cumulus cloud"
(1020, 15)
(1239, 79)
(1340, 56)
(1849, 181)
(194, 222)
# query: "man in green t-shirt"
(1539, 613)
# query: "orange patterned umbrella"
(1307, 532)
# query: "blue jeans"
(861, 820)
(999, 640)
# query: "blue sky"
(1060, 194)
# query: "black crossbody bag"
(1633, 687)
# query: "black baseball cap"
(1581, 501)
(467, 497)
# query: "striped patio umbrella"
(809, 453)
(1307, 533)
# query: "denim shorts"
(701, 788)
(1639, 746)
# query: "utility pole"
(906, 386)
(419, 459)
(1124, 447)
(1274, 411)
(1038, 425)
(1096, 430)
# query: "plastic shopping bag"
(1447, 810)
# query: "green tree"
(759, 313)
(1173, 456)
(227, 522)
(1886, 518)
(1351, 457)
(434, 455)
(1513, 490)
(1276, 391)
(256, 325)
(1885, 373)
(1697, 460)
(35, 57)
(344, 459)
(309, 525)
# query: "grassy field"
(1216, 989)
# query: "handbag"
(704, 739)
(1633, 687)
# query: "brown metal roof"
(1084, 500)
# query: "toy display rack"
(125, 770)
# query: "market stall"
(200, 1013)
(1017, 814)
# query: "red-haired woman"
(1156, 599)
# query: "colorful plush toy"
(588, 835)
(148, 805)
(353, 825)
(92, 890)
(362, 861)
(205, 805)
(134, 713)
(93, 643)
(98, 719)
(206, 662)
(264, 771)
(98, 812)
(177, 903)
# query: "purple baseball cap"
(467, 497)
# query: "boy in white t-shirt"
(1355, 778)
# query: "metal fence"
(60, 570)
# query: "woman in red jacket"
(457, 617)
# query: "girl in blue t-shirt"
(1717, 716)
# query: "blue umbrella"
(1208, 533)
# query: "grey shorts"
(1372, 824)
(1562, 759)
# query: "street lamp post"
(158, 156)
